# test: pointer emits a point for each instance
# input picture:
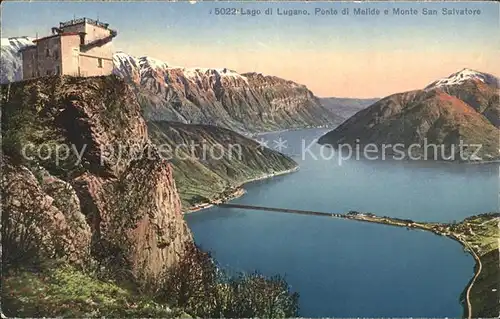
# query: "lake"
(345, 268)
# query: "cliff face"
(211, 162)
(120, 186)
(44, 207)
(445, 114)
(242, 102)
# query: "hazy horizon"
(334, 56)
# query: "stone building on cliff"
(80, 47)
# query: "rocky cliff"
(462, 108)
(247, 102)
(86, 136)
(211, 163)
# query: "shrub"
(197, 285)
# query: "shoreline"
(432, 227)
(329, 127)
(435, 229)
(407, 159)
(238, 191)
(440, 229)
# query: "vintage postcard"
(230, 159)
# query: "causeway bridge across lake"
(282, 210)
(352, 215)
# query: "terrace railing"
(83, 20)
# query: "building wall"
(89, 65)
(49, 56)
(64, 55)
(70, 51)
(94, 32)
(29, 63)
(105, 51)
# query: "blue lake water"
(345, 268)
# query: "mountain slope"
(249, 102)
(346, 107)
(211, 162)
(480, 91)
(445, 113)
(10, 58)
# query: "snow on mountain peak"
(196, 72)
(16, 43)
(11, 62)
(463, 76)
(127, 66)
(145, 62)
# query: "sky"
(336, 55)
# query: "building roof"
(56, 35)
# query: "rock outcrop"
(88, 134)
(46, 209)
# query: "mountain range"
(463, 107)
(248, 102)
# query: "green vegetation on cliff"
(481, 234)
(67, 292)
(211, 162)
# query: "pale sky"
(343, 56)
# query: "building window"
(47, 52)
(99, 63)
(58, 70)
